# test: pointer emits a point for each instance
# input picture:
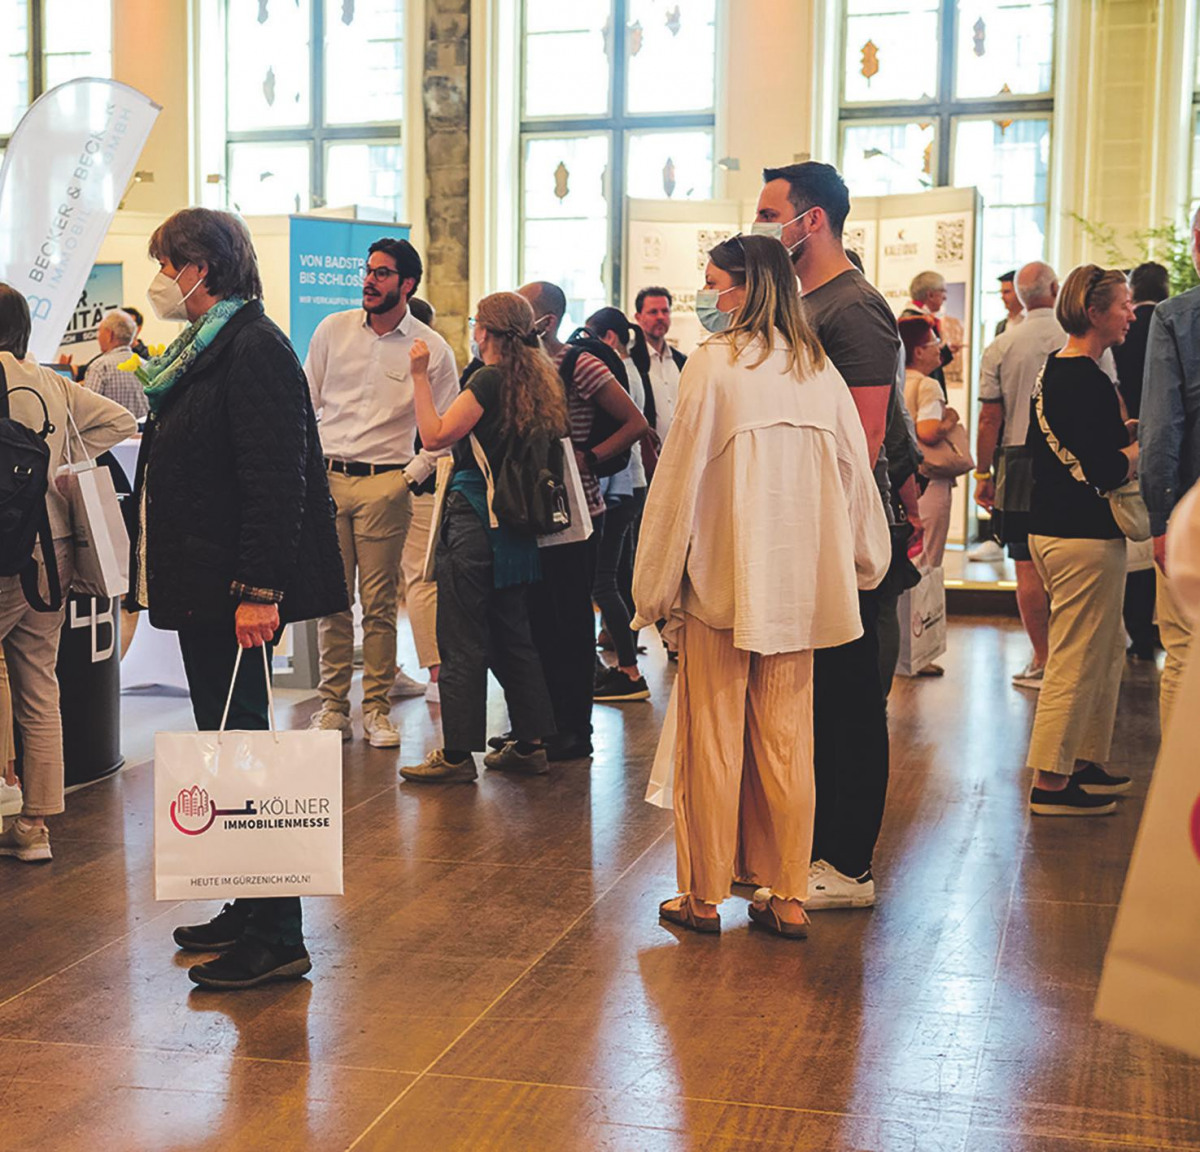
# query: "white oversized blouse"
(763, 516)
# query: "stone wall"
(446, 91)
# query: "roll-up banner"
(66, 167)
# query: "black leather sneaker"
(252, 962)
(1095, 781)
(223, 931)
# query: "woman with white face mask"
(236, 532)
(766, 521)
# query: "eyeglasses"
(381, 273)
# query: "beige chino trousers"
(420, 595)
(1078, 701)
(743, 758)
(373, 514)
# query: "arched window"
(617, 98)
(45, 43)
(954, 92)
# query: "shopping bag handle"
(237, 660)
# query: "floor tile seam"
(1070, 1110)
(626, 1093)
(1019, 857)
(1137, 1143)
(506, 990)
(82, 959)
(374, 796)
(152, 1049)
(1071, 903)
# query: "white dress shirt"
(362, 389)
(764, 517)
(664, 379)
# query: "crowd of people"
(789, 472)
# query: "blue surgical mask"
(774, 230)
(474, 349)
(707, 311)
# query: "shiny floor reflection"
(495, 977)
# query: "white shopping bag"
(101, 544)
(581, 518)
(922, 613)
(1151, 979)
(660, 791)
(247, 813)
(445, 469)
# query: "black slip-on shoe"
(618, 688)
(1070, 801)
(1096, 781)
(250, 963)
(222, 932)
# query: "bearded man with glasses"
(358, 372)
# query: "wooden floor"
(496, 978)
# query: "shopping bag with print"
(922, 614)
(660, 791)
(247, 813)
(581, 519)
(1151, 979)
(101, 543)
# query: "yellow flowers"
(132, 364)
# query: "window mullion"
(616, 163)
(317, 103)
(948, 30)
(37, 49)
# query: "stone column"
(446, 92)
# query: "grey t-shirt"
(858, 332)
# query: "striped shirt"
(590, 376)
(105, 377)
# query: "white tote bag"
(1151, 980)
(660, 791)
(445, 469)
(922, 613)
(247, 813)
(581, 518)
(101, 544)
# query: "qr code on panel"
(951, 241)
(855, 239)
(706, 240)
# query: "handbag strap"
(485, 467)
(237, 660)
(1060, 450)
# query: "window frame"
(945, 108)
(36, 54)
(317, 133)
(617, 125)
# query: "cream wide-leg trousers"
(743, 757)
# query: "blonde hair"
(533, 399)
(772, 302)
(1088, 286)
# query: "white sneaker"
(25, 843)
(12, 799)
(380, 731)
(1030, 677)
(828, 888)
(989, 552)
(327, 720)
(405, 685)
(433, 694)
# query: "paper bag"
(922, 613)
(1151, 979)
(247, 814)
(100, 540)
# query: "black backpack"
(603, 425)
(24, 480)
(529, 491)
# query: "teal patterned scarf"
(160, 375)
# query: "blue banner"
(327, 257)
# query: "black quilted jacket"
(235, 485)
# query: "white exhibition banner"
(932, 231)
(66, 167)
(667, 245)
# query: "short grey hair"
(1036, 284)
(120, 325)
(925, 282)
